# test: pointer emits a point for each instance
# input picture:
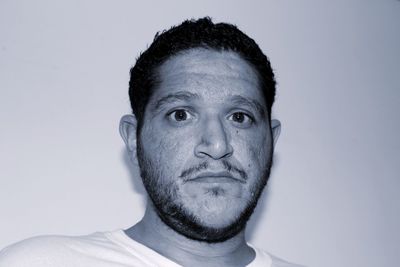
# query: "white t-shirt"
(101, 249)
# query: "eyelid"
(185, 108)
(248, 122)
(245, 112)
(171, 112)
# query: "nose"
(213, 141)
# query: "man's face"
(205, 148)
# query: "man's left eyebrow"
(240, 100)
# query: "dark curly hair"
(201, 33)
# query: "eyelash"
(169, 114)
(189, 116)
(246, 115)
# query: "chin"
(219, 213)
(223, 218)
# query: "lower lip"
(218, 179)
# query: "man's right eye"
(179, 115)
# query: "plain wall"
(333, 195)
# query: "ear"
(276, 130)
(127, 129)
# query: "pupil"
(239, 117)
(180, 115)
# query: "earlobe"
(276, 130)
(127, 129)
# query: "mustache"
(204, 165)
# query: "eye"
(179, 115)
(241, 118)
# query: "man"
(202, 135)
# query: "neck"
(152, 232)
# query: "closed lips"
(216, 177)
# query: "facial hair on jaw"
(164, 194)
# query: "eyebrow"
(254, 104)
(172, 98)
(187, 96)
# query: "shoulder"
(36, 251)
(46, 251)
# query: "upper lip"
(216, 175)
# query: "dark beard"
(178, 218)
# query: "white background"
(333, 197)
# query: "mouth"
(216, 177)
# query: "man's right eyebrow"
(171, 98)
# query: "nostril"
(214, 150)
(213, 140)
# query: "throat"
(152, 232)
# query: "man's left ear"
(127, 129)
(276, 130)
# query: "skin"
(205, 148)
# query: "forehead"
(210, 74)
(209, 61)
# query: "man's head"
(202, 131)
(194, 34)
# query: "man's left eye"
(241, 118)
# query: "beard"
(164, 196)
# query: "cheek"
(252, 150)
(261, 151)
(166, 149)
(251, 145)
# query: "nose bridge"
(215, 140)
